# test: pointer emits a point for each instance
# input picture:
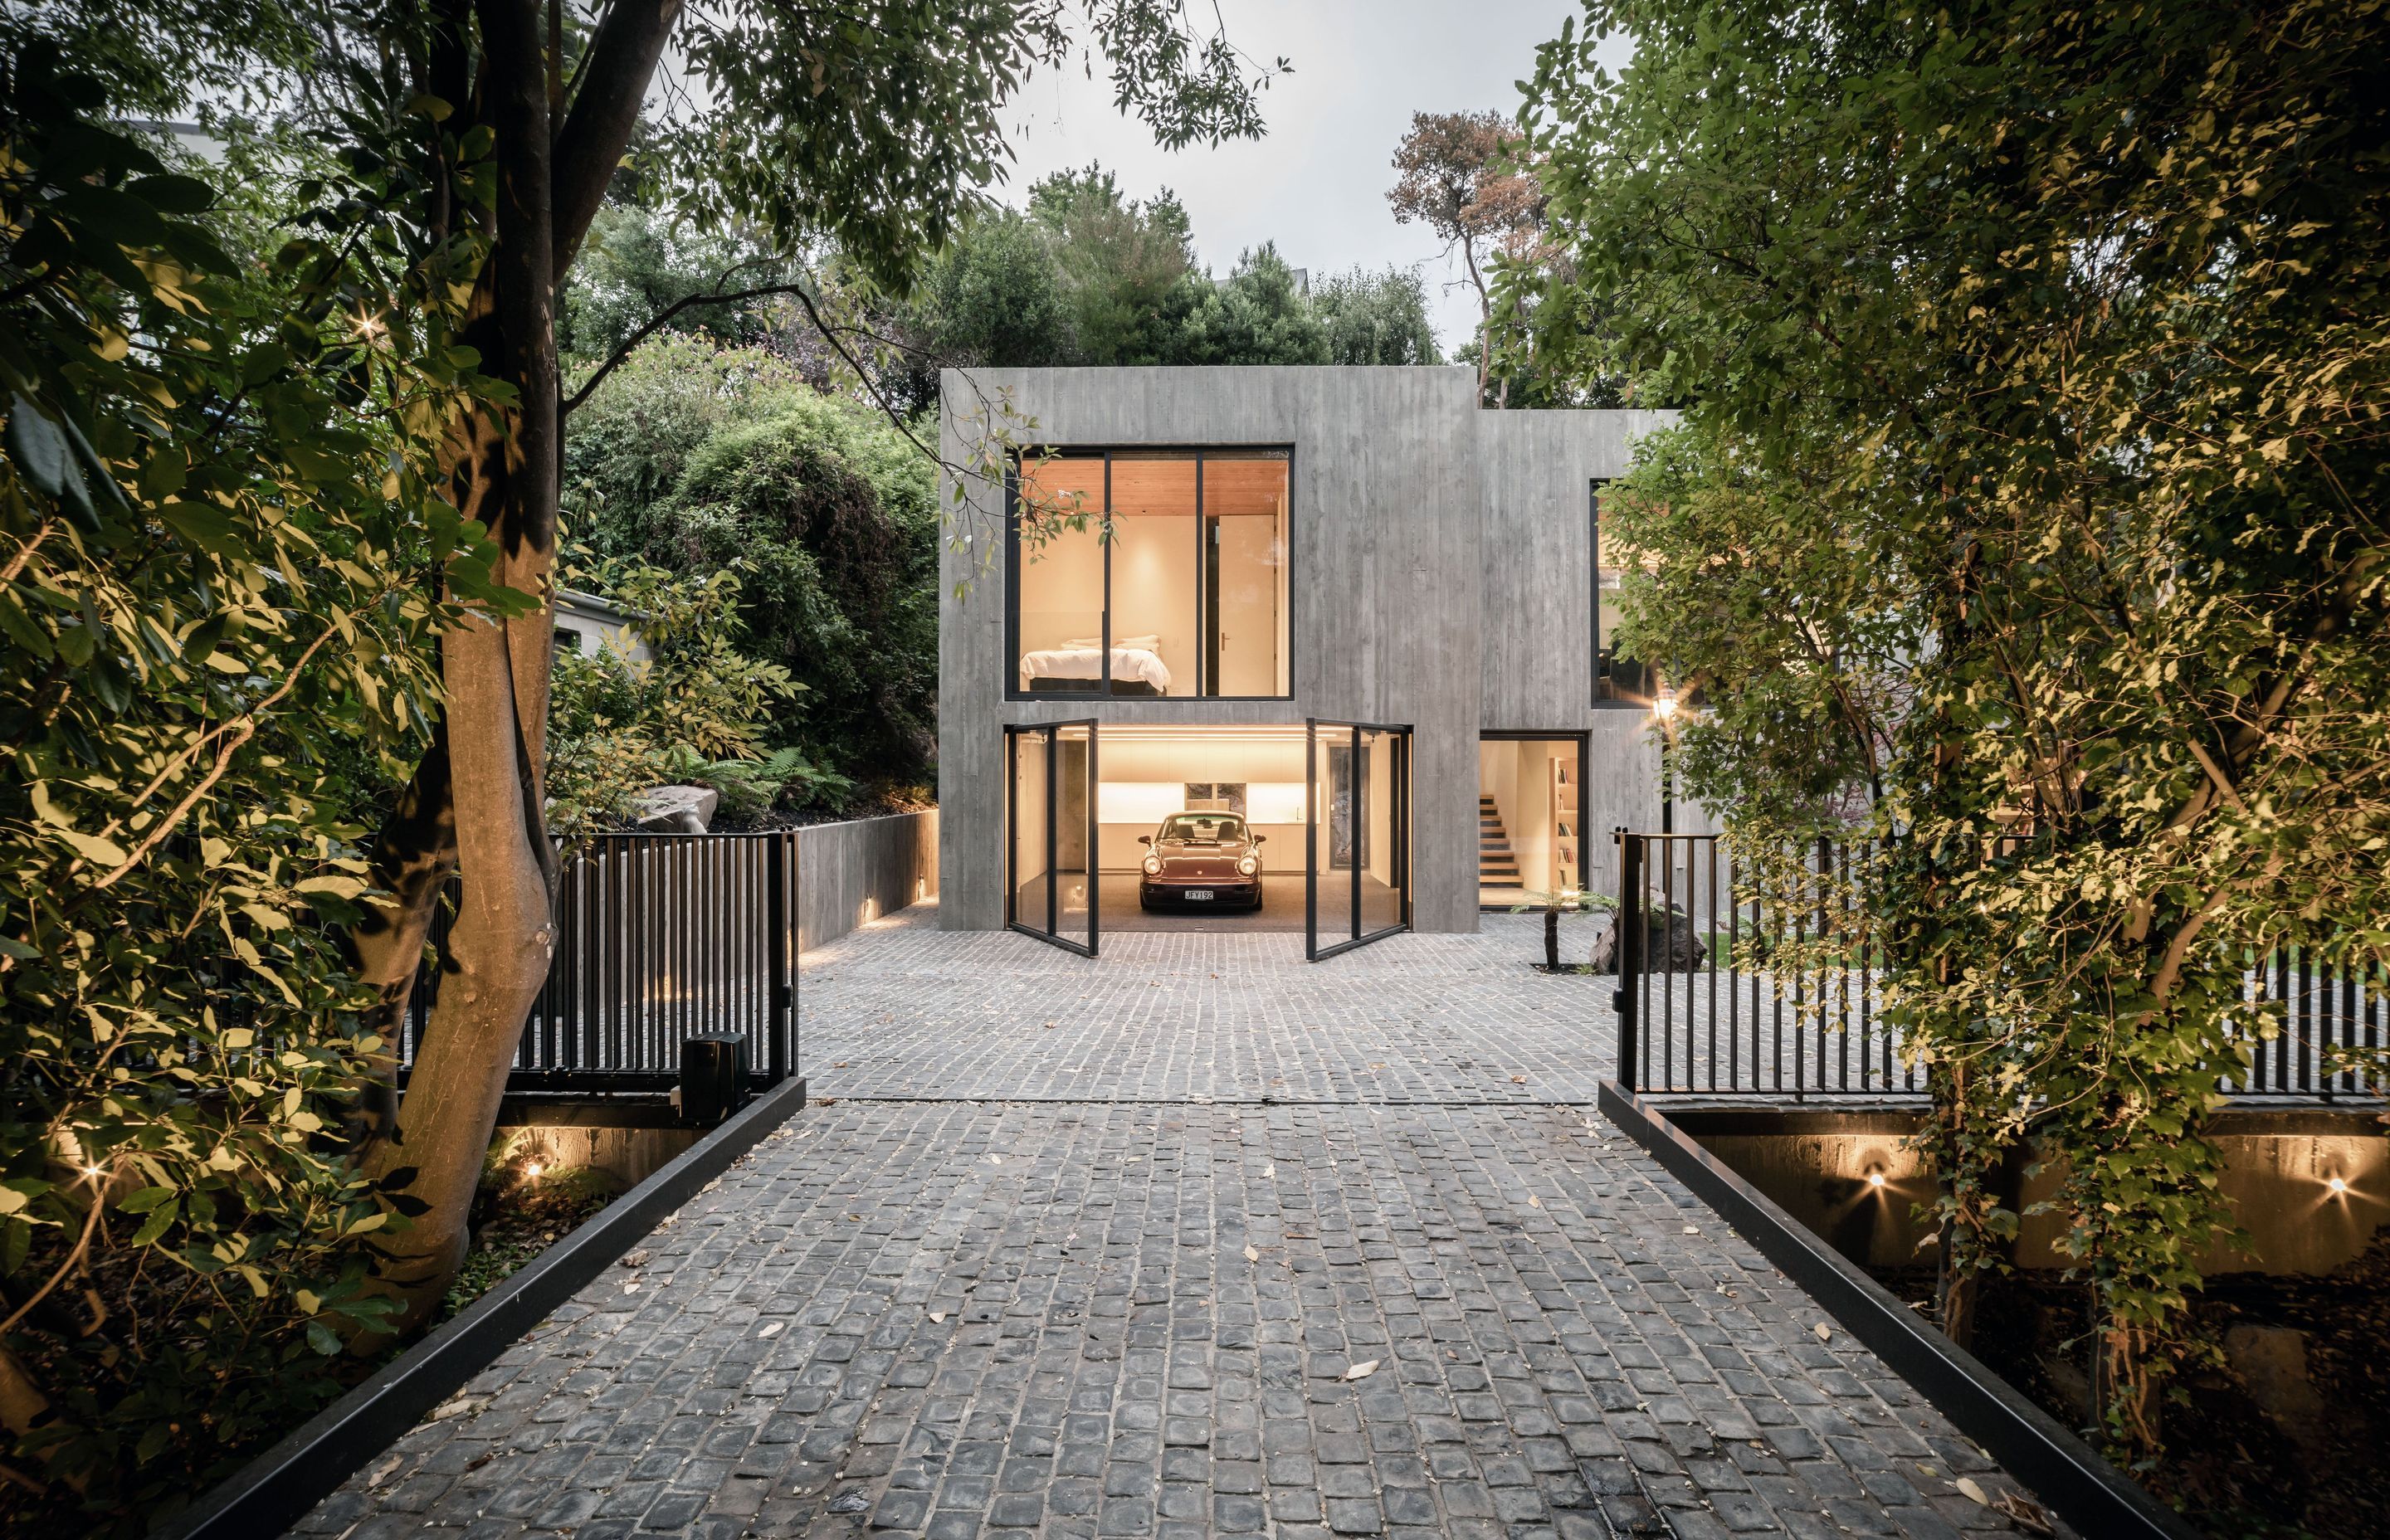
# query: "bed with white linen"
(1136, 667)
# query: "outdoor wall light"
(2339, 1185)
(1663, 705)
(1875, 1179)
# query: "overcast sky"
(1317, 184)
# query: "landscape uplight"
(1875, 1179)
(2339, 1185)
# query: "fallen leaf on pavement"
(1252, 1255)
(1270, 1170)
(1826, 1334)
(937, 1315)
(1969, 1490)
(1362, 1371)
(772, 1330)
(1533, 1202)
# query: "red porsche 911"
(1202, 861)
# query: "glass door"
(1052, 878)
(1357, 835)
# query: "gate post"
(775, 946)
(1629, 950)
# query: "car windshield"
(1209, 826)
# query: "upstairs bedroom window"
(1150, 572)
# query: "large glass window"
(1175, 583)
(1617, 680)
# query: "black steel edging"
(273, 1491)
(2063, 1470)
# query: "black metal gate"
(1767, 983)
(658, 937)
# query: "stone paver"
(926, 1308)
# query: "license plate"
(1198, 895)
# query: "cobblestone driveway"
(1019, 1278)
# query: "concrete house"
(1327, 652)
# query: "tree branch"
(615, 72)
(655, 323)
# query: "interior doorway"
(1530, 817)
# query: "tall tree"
(2063, 323)
(869, 125)
(1465, 176)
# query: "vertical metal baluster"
(1734, 978)
(1800, 990)
(1709, 957)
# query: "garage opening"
(1295, 829)
(1181, 812)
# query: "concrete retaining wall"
(852, 873)
(2277, 1169)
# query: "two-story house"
(1344, 606)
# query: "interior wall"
(1153, 591)
(1062, 590)
(1198, 756)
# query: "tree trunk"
(475, 806)
(1552, 939)
(494, 674)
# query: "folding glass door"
(1052, 875)
(1358, 842)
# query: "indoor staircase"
(1497, 867)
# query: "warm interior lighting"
(2338, 1185)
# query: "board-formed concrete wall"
(849, 874)
(1442, 579)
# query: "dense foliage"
(223, 566)
(695, 460)
(243, 497)
(2028, 520)
(1089, 276)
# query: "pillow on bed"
(1142, 644)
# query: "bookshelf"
(1567, 868)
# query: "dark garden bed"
(520, 1210)
(2278, 1436)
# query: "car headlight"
(1153, 865)
(1250, 865)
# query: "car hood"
(1229, 848)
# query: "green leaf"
(172, 194)
(146, 1198)
(209, 527)
(38, 448)
(157, 1223)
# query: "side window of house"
(1175, 582)
(1617, 680)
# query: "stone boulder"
(1671, 944)
(678, 809)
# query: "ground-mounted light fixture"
(1875, 1179)
(534, 1170)
(2339, 1185)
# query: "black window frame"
(1102, 687)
